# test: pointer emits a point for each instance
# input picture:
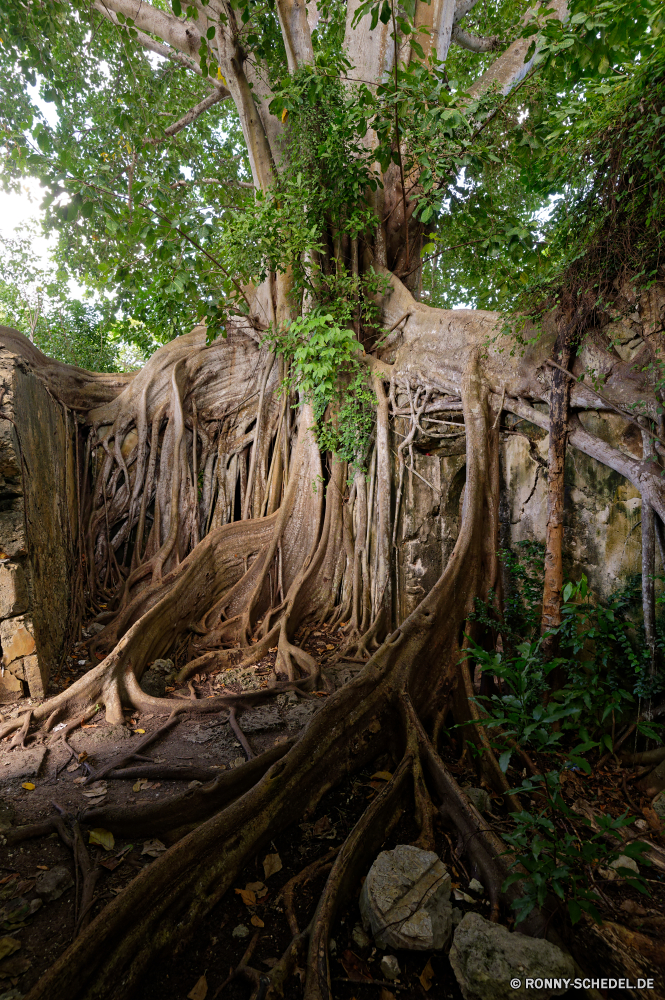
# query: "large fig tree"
(301, 182)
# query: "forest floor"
(251, 924)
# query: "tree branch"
(159, 48)
(295, 33)
(474, 43)
(510, 67)
(181, 35)
(191, 115)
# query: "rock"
(23, 763)
(51, 884)
(390, 967)
(13, 590)
(658, 805)
(7, 813)
(458, 916)
(298, 716)
(153, 682)
(486, 958)
(476, 887)
(163, 666)
(240, 931)
(360, 938)
(610, 873)
(480, 799)
(258, 720)
(405, 900)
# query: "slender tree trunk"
(649, 563)
(559, 399)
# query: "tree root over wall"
(171, 554)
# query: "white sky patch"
(23, 209)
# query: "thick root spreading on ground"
(211, 528)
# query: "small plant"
(605, 672)
(327, 371)
(559, 860)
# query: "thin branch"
(191, 116)
(474, 43)
(617, 409)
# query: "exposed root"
(360, 846)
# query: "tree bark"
(553, 581)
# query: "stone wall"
(603, 510)
(38, 529)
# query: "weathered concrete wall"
(38, 529)
(603, 511)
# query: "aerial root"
(308, 873)
(193, 806)
(20, 737)
(244, 970)
(120, 760)
(357, 852)
(483, 846)
(244, 742)
(86, 872)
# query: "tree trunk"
(556, 458)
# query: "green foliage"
(605, 669)
(558, 860)
(326, 369)
(35, 300)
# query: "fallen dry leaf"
(374, 726)
(256, 921)
(248, 897)
(28, 785)
(354, 967)
(322, 826)
(382, 776)
(102, 837)
(153, 848)
(15, 966)
(199, 991)
(141, 731)
(650, 815)
(79, 781)
(8, 945)
(329, 646)
(426, 976)
(258, 887)
(42, 868)
(82, 756)
(387, 995)
(74, 766)
(272, 863)
(140, 784)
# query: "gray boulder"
(487, 958)
(405, 900)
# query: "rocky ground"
(40, 901)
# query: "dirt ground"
(251, 921)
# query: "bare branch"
(159, 48)
(181, 35)
(474, 43)
(510, 67)
(213, 180)
(462, 8)
(191, 115)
